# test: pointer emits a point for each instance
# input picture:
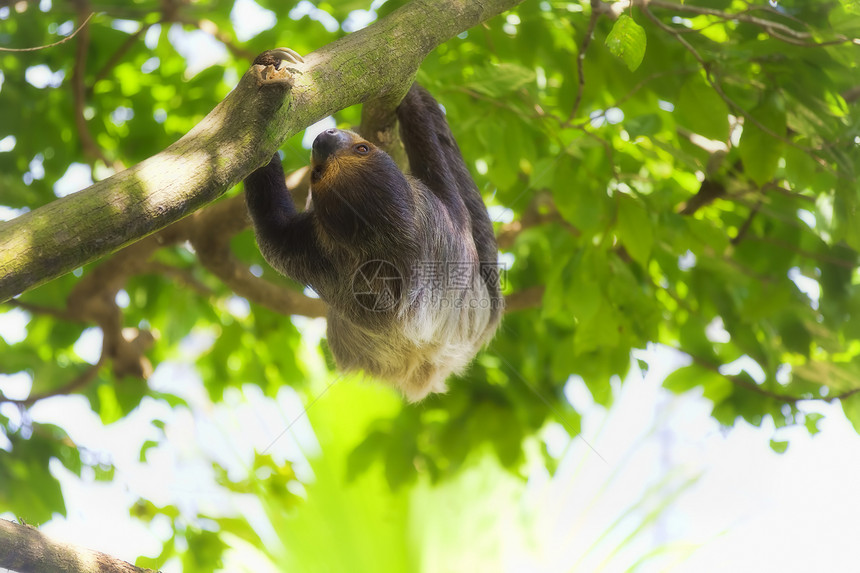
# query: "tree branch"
(751, 386)
(239, 135)
(78, 382)
(212, 29)
(213, 250)
(524, 299)
(715, 84)
(777, 30)
(117, 56)
(379, 123)
(580, 58)
(540, 211)
(27, 550)
(57, 43)
(79, 95)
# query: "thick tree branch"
(93, 300)
(379, 123)
(25, 549)
(238, 136)
(213, 250)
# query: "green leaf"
(715, 386)
(759, 150)
(365, 454)
(205, 549)
(626, 41)
(811, 423)
(701, 110)
(778, 447)
(145, 448)
(599, 331)
(109, 408)
(800, 168)
(508, 88)
(580, 196)
(851, 407)
(648, 124)
(497, 80)
(634, 229)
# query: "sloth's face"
(336, 150)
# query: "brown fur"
(363, 211)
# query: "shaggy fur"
(407, 263)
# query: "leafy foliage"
(698, 192)
(627, 41)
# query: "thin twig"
(63, 41)
(776, 29)
(118, 54)
(78, 92)
(740, 381)
(744, 229)
(59, 313)
(580, 58)
(717, 88)
(209, 27)
(83, 379)
(641, 84)
(184, 277)
(804, 253)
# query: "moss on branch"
(238, 136)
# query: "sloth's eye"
(361, 148)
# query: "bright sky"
(750, 510)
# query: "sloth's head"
(357, 189)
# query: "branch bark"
(239, 135)
(27, 550)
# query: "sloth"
(407, 262)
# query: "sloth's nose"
(328, 142)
